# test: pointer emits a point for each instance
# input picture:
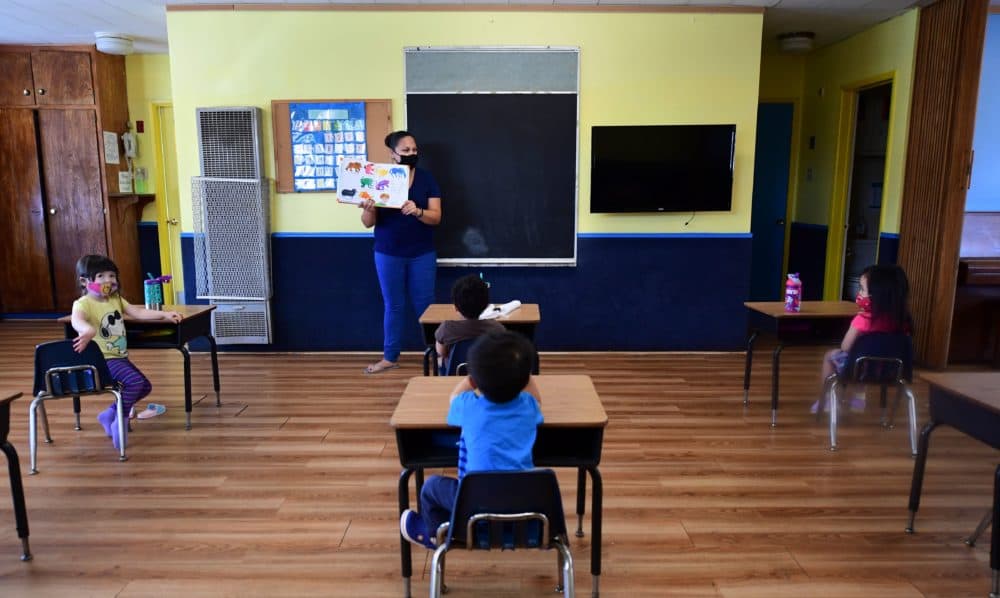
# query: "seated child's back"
(471, 296)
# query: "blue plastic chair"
(456, 364)
(506, 510)
(14, 470)
(60, 373)
(881, 358)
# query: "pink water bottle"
(793, 293)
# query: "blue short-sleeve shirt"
(495, 436)
(405, 236)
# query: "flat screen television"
(662, 168)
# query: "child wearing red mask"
(98, 315)
(882, 299)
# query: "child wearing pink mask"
(882, 300)
(98, 315)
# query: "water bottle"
(793, 293)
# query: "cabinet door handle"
(52, 210)
(41, 91)
(26, 92)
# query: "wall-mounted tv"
(662, 168)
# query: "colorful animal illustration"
(369, 168)
(382, 172)
(353, 167)
(348, 192)
(383, 196)
(365, 195)
(382, 185)
(398, 172)
(366, 182)
(112, 330)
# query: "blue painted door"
(770, 199)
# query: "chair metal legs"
(38, 404)
(983, 524)
(832, 388)
(565, 577)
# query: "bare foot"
(381, 366)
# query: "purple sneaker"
(411, 526)
(107, 419)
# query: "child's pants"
(134, 385)
(437, 499)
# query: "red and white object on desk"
(793, 293)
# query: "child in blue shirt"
(497, 407)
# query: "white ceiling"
(75, 21)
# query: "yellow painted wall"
(148, 77)
(636, 68)
(887, 48)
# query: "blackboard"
(506, 164)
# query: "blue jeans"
(437, 499)
(397, 276)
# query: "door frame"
(833, 281)
(793, 173)
(167, 260)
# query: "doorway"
(168, 211)
(864, 201)
(768, 218)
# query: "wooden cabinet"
(54, 180)
(46, 77)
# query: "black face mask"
(410, 160)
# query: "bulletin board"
(377, 124)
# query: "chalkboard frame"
(474, 74)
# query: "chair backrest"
(61, 371)
(880, 358)
(458, 356)
(484, 498)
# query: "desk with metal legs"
(14, 471)
(970, 403)
(571, 436)
(196, 322)
(817, 323)
(523, 319)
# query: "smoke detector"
(797, 42)
(113, 43)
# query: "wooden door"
(71, 171)
(62, 77)
(16, 87)
(25, 277)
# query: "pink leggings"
(134, 385)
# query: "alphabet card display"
(325, 135)
(360, 180)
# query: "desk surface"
(186, 312)
(567, 401)
(979, 387)
(9, 394)
(436, 313)
(810, 309)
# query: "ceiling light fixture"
(113, 43)
(797, 42)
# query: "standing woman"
(404, 247)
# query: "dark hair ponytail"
(392, 139)
(889, 290)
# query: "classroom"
(676, 202)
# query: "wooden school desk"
(523, 319)
(818, 323)
(571, 436)
(970, 403)
(196, 321)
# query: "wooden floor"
(289, 488)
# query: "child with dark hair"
(471, 295)
(882, 299)
(497, 407)
(99, 314)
